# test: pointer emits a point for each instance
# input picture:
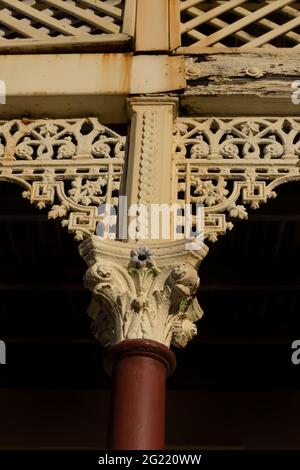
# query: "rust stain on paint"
(115, 69)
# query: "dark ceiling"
(250, 292)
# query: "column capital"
(143, 292)
(153, 101)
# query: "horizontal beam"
(245, 84)
(72, 85)
(107, 42)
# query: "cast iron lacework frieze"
(73, 165)
(227, 164)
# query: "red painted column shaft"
(139, 369)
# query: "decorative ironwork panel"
(74, 165)
(46, 19)
(225, 164)
(240, 24)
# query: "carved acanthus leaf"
(134, 298)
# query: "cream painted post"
(174, 24)
(149, 169)
(152, 25)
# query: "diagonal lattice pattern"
(240, 24)
(44, 19)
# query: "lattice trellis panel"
(73, 165)
(225, 164)
(241, 24)
(42, 20)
